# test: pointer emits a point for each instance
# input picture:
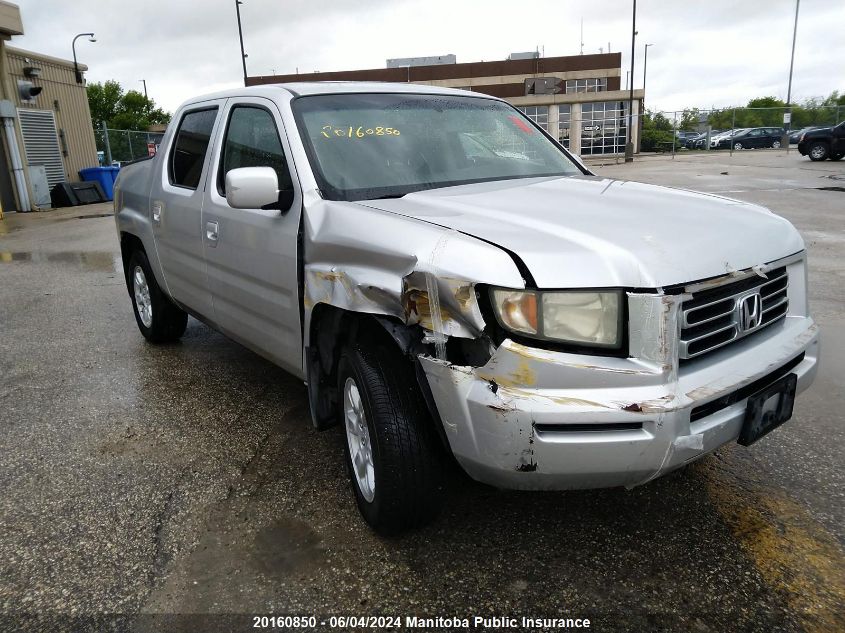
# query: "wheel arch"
(331, 330)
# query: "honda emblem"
(750, 312)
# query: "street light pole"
(144, 81)
(238, 4)
(73, 46)
(788, 126)
(629, 146)
(645, 70)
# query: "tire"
(818, 151)
(776, 144)
(405, 488)
(158, 318)
(737, 146)
(836, 156)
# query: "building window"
(598, 84)
(538, 114)
(603, 128)
(565, 111)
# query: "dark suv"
(753, 137)
(825, 142)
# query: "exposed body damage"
(370, 261)
(534, 419)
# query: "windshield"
(365, 146)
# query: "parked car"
(795, 136)
(683, 136)
(698, 141)
(751, 138)
(825, 142)
(546, 327)
(716, 138)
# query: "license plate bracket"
(768, 409)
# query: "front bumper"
(537, 419)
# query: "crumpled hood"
(599, 232)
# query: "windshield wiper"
(388, 196)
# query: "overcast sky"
(706, 53)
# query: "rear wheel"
(392, 454)
(836, 156)
(158, 318)
(818, 151)
(776, 144)
(737, 146)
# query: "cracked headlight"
(592, 318)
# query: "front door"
(251, 254)
(838, 141)
(177, 208)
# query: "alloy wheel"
(358, 439)
(141, 290)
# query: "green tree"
(689, 119)
(103, 100)
(137, 112)
(123, 110)
(656, 132)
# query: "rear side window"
(252, 140)
(190, 146)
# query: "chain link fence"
(732, 129)
(120, 146)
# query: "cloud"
(705, 54)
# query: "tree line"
(657, 128)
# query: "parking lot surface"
(187, 478)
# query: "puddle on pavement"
(93, 261)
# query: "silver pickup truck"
(452, 284)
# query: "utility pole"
(238, 4)
(645, 69)
(629, 146)
(788, 125)
(144, 81)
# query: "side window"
(190, 146)
(252, 140)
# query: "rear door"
(177, 207)
(251, 254)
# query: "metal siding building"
(66, 99)
(51, 134)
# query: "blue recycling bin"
(103, 175)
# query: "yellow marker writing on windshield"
(330, 131)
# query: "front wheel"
(818, 151)
(392, 454)
(737, 146)
(158, 318)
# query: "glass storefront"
(565, 111)
(538, 114)
(603, 129)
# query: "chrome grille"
(717, 316)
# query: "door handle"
(212, 232)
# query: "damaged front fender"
(374, 262)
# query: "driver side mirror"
(256, 188)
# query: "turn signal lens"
(517, 310)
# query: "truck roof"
(302, 88)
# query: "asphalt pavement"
(187, 479)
